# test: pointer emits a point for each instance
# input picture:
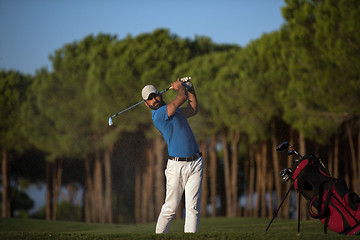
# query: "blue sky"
(31, 30)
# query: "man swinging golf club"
(184, 170)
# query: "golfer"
(184, 170)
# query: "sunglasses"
(152, 96)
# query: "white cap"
(147, 90)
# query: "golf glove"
(187, 84)
(185, 79)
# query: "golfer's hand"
(184, 79)
(187, 84)
(176, 85)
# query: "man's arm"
(192, 107)
(179, 99)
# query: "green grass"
(210, 228)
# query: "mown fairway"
(210, 228)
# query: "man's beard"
(161, 103)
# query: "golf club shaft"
(127, 108)
(110, 119)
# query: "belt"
(186, 159)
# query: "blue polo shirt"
(176, 131)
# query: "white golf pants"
(182, 176)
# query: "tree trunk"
(138, 206)
(142, 185)
(108, 185)
(247, 208)
(213, 179)
(150, 200)
(252, 163)
(49, 191)
(204, 189)
(270, 178)
(227, 176)
(263, 178)
(346, 163)
(330, 164)
(146, 188)
(159, 172)
(234, 173)
(270, 187)
(336, 156)
(56, 176)
(89, 192)
(98, 190)
(286, 205)
(303, 208)
(353, 157)
(258, 183)
(276, 164)
(261, 166)
(6, 198)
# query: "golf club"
(184, 80)
(110, 118)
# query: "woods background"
(300, 83)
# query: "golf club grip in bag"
(329, 198)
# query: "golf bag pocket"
(338, 208)
(309, 177)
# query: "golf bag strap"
(324, 210)
(322, 205)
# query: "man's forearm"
(178, 101)
(193, 99)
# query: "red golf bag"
(329, 198)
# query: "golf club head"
(291, 152)
(110, 121)
(286, 174)
(282, 146)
